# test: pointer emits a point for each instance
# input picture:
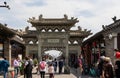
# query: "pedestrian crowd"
(28, 64)
(25, 67)
(103, 69)
(52, 66)
(108, 70)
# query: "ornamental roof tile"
(52, 21)
(5, 31)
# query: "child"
(51, 71)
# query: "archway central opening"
(52, 54)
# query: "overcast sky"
(92, 14)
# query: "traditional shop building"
(93, 47)
(10, 45)
(103, 43)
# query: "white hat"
(107, 59)
(102, 57)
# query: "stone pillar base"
(66, 69)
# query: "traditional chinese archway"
(54, 34)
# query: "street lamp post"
(5, 5)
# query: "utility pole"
(5, 5)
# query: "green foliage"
(35, 61)
(21, 65)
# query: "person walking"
(60, 65)
(42, 68)
(25, 65)
(117, 53)
(31, 64)
(29, 70)
(16, 66)
(55, 65)
(1, 65)
(100, 66)
(79, 67)
(4, 64)
(117, 65)
(107, 69)
(51, 71)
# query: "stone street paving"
(56, 76)
(71, 75)
(59, 76)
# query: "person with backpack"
(42, 68)
(29, 70)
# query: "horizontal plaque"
(53, 40)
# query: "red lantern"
(94, 44)
(117, 55)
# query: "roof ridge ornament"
(31, 19)
(65, 16)
(79, 28)
(103, 27)
(26, 29)
(114, 18)
(40, 17)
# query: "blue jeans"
(5, 74)
(55, 68)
